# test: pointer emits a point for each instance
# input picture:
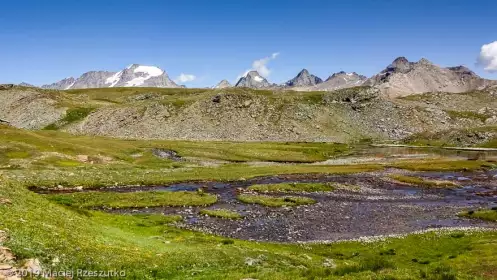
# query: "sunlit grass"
(273, 201)
(487, 215)
(293, 187)
(133, 199)
(221, 213)
(423, 182)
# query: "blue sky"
(45, 41)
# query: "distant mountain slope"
(253, 80)
(24, 84)
(223, 84)
(303, 79)
(403, 78)
(336, 81)
(134, 75)
(66, 83)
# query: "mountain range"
(134, 75)
(400, 78)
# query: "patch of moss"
(57, 162)
(72, 115)
(423, 182)
(221, 213)
(487, 215)
(150, 220)
(133, 199)
(273, 201)
(443, 165)
(467, 115)
(293, 187)
(17, 154)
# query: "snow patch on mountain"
(114, 79)
(258, 79)
(151, 71)
(70, 86)
(134, 75)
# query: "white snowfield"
(150, 70)
(146, 71)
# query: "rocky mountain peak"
(462, 70)
(24, 84)
(253, 74)
(133, 66)
(303, 72)
(304, 78)
(341, 80)
(253, 80)
(223, 84)
(404, 78)
(66, 83)
(400, 64)
(346, 76)
(424, 61)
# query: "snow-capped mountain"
(134, 75)
(342, 80)
(253, 80)
(303, 79)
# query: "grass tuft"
(293, 187)
(487, 215)
(221, 213)
(467, 115)
(272, 201)
(443, 165)
(133, 199)
(422, 182)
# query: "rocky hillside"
(403, 78)
(244, 114)
(134, 75)
(485, 136)
(30, 108)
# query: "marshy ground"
(191, 210)
(367, 204)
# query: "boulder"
(6, 255)
(166, 154)
(6, 86)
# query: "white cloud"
(488, 57)
(260, 66)
(184, 78)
